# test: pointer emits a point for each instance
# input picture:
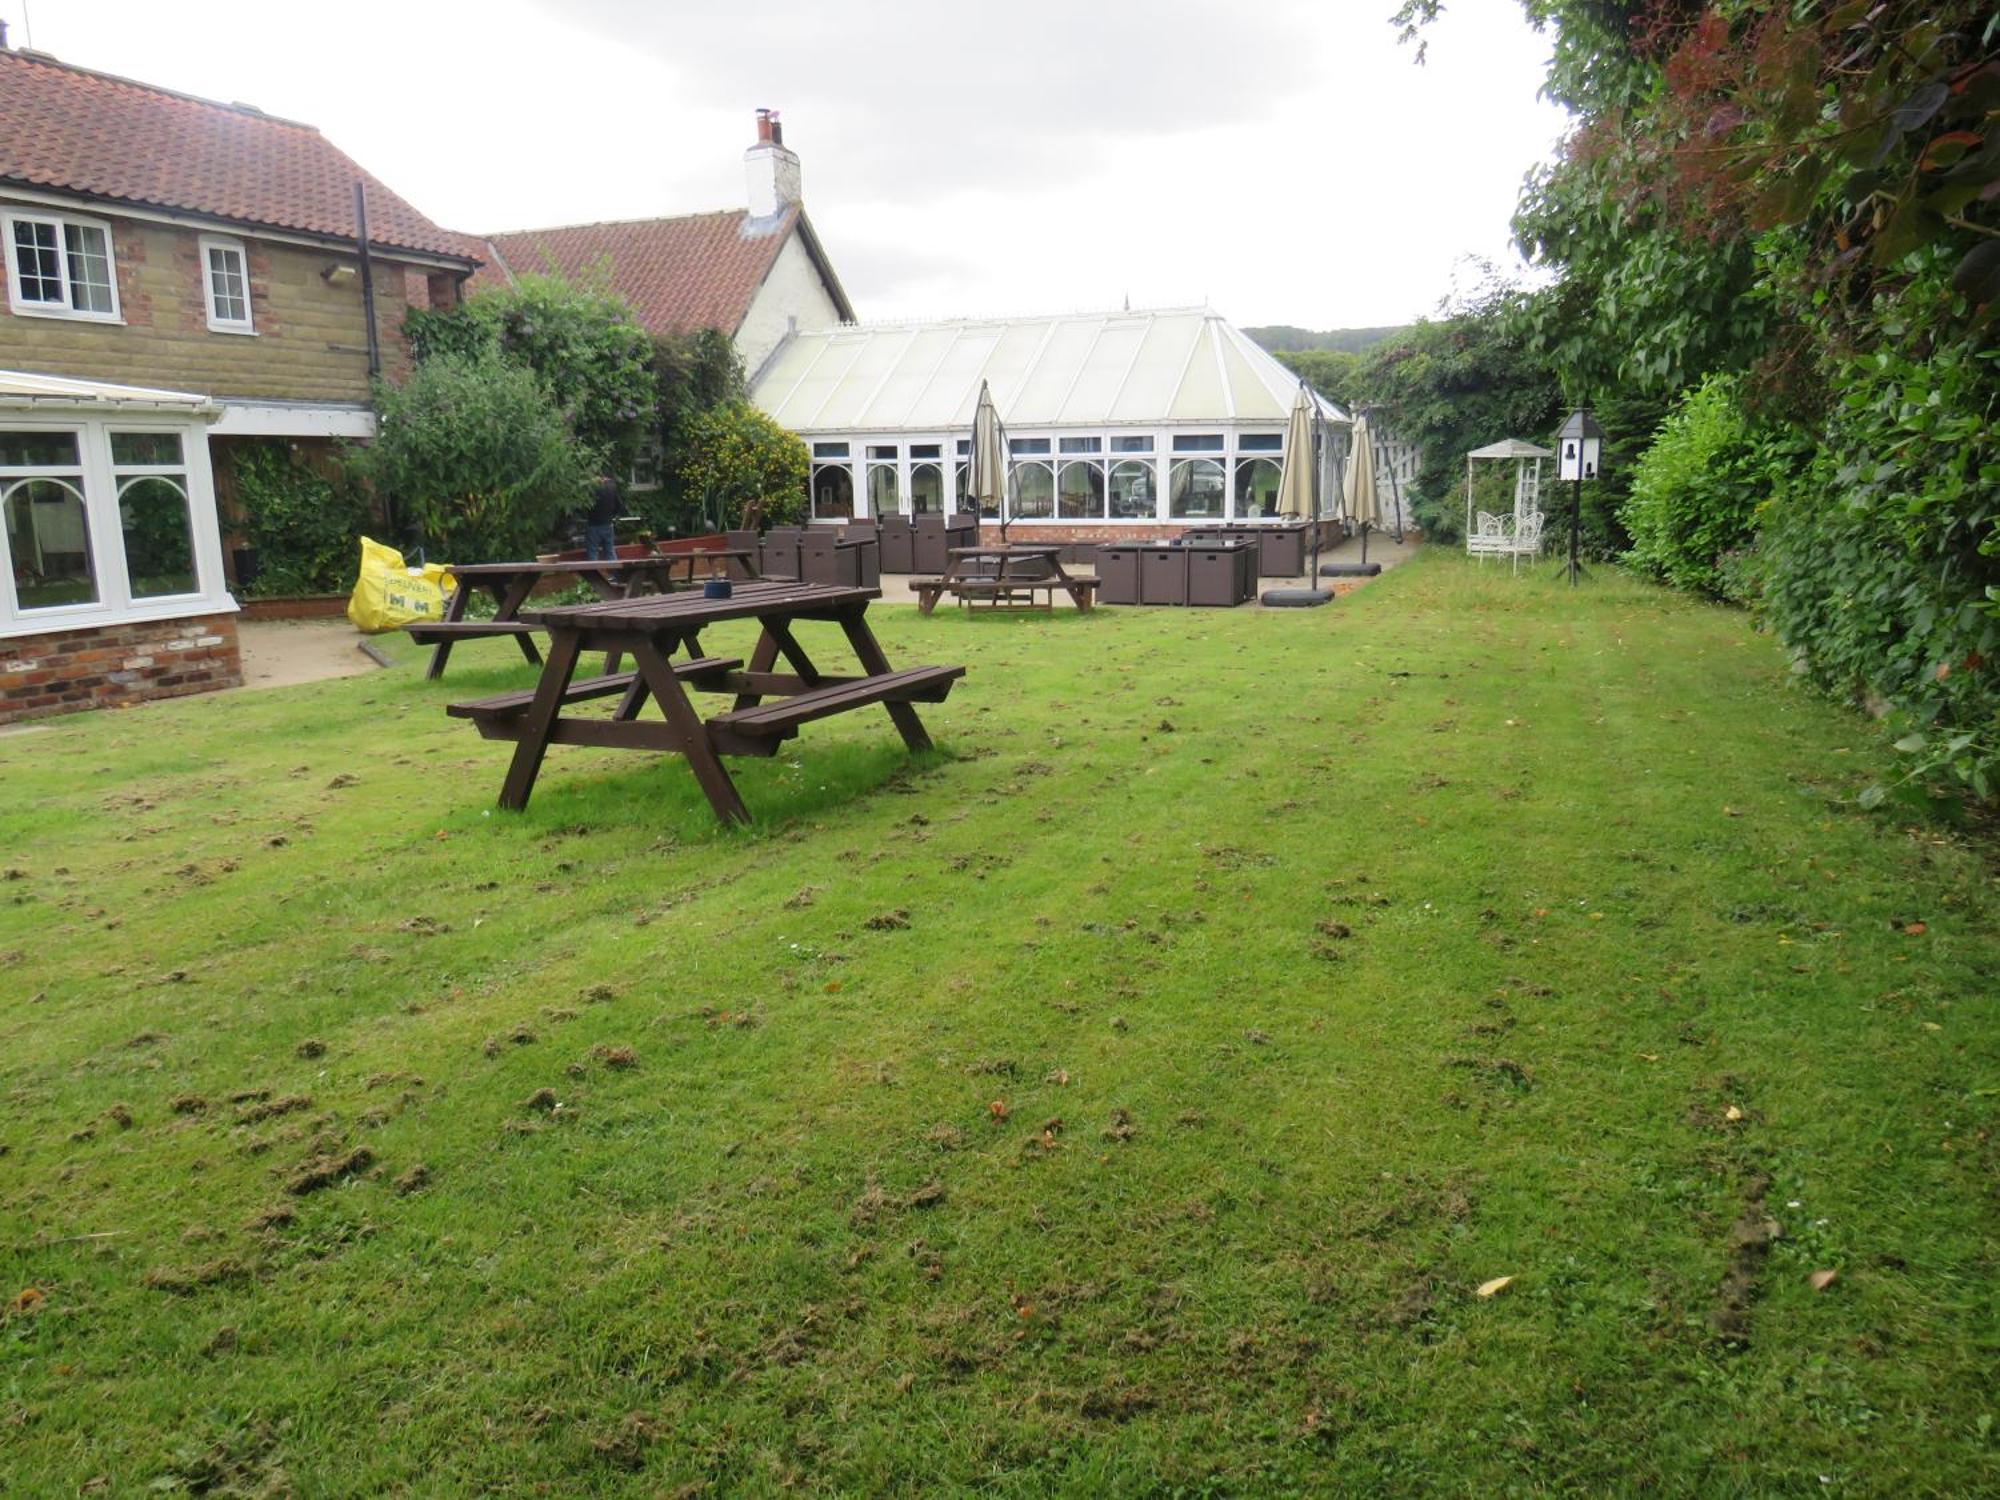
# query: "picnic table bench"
(511, 583)
(652, 630)
(1005, 574)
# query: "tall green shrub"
(474, 457)
(737, 457)
(303, 523)
(1882, 565)
(581, 343)
(1695, 492)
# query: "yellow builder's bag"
(388, 593)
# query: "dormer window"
(60, 267)
(225, 282)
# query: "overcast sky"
(1283, 160)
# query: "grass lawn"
(1130, 1097)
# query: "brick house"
(757, 273)
(183, 277)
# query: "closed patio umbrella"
(1357, 490)
(1298, 485)
(988, 478)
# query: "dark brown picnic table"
(1016, 569)
(738, 563)
(510, 584)
(663, 634)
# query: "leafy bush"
(1695, 492)
(305, 524)
(737, 457)
(584, 347)
(1883, 559)
(693, 373)
(474, 458)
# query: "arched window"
(159, 538)
(884, 493)
(1034, 492)
(1198, 490)
(48, 542)
(1080, 492)
(1133, 490)
(926, 490)
(832, 492)
(1257, 487)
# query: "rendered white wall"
(792, 290)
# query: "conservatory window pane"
(927, 489)
(829, 450)
(48, 544)
(1034, 490)
(1204, 442)
(964, 486)
(1132, 445)
(1257, 487)
(1199, 490)
(1080, 495)
(159, 540)
(38, 450)
(1027, 445)
(832, 492)
(1082, 445)
(884, 494)
(139, 450)
(1260, 442)
(924, 450)
(1132, 492)
(89, 268)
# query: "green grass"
(1270, 981)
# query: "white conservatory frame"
(870, 371)
(93, 411)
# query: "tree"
(738, 458)
(1452, 384)
(474, 455)
(580, 342)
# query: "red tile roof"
(68, 129)
(697, 271)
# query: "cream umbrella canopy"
(1298, 485)
(987, 480)
(1357, 490)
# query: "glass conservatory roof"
(1078, 370)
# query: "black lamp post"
(1579, 455)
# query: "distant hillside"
(1282, 337)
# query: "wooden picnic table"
(510, 584)
(653, 629)
(1017, 569)
(738, 563)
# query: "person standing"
(600, 535)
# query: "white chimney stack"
(772, 170)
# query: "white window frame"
(247, 324)
(23, 308)
(99, 482)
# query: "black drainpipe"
(367, 282)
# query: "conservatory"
(113, 588)
(1118, 424)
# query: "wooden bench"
(928, 591)
(758, 730)
(430, 632)
(511, 705)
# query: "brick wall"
(311, 340)
(107, 665)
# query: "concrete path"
(282, 653)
